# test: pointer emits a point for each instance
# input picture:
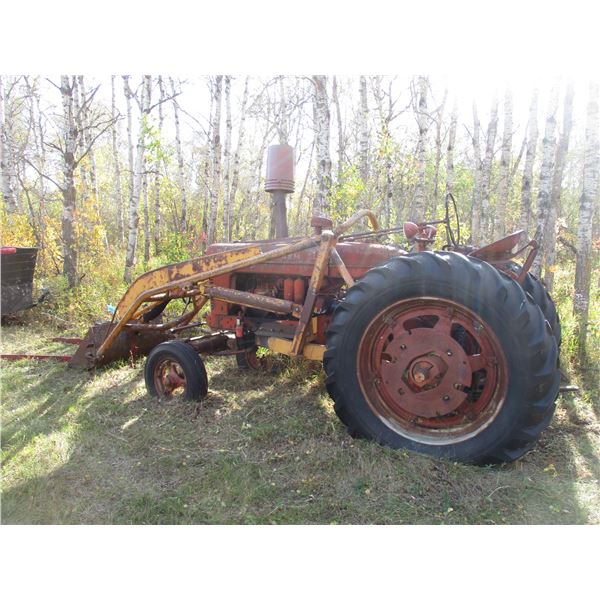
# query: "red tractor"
(451, 353)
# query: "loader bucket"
(128, 344)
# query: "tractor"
(451, 353)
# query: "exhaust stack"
(280, 182)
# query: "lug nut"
(446, 398)
(402, 346)
(457, 386)
(449, 353)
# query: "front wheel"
(441, 354)
(175, 370)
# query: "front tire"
(441, 354)
(175, 370)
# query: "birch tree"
(363, 141)
(227, 152)
(544, 199)
(477, 179)
(450, 150)
(557, 179)
(157, 165)
(236, 163)
(118, 192)
(486, 176)
(439, 121)
(6, 160)
(504, 183)
(527, 183)
(589, 196)
(341, 149)
(128, 97)
(138, 176)
(321, 126)
(216, 158)
(180, 163)
(417, 208)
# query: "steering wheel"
(452, 241)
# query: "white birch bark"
(146, 218)
(559, 167)
(417, 208)
(487, 172)
(8, 192)
(227, 157)
(157, 165)
(118, 191)
(180, 165)
(450, 150)
(322, 117)
(589, 196)
(236, 163)
(504, 183)
(137, 179)
(477, 180)
(545, 192)
(69, 135)
(216, 160)
(340, 131)
(363, 131)
(86, 136)
(439, 121)
(527, 184)
(128, 96)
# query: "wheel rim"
(169, 379)
(432, 370)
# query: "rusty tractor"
(450, 353)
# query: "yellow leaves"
(15, 230)
(551, 469)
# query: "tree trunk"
(417, 208)
(8, 191)
(439, 121)
(87, 139)
(340, 131)
(68, 190)
(78, 98)
(559, 167)
(146, 219)
(487, 173)
(321, 112)
(236, 163)
(477, 180)
(450, 150)
(505, 172)
(227, 159)
(117, 165)
(527, 185)
(589, 196)
(363, 131)
(180, 165)
(542, 233)
(216, 160)
(128, 96)
(137, 179)
(157, 165)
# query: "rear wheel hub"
(431, 367)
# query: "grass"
(81, 447)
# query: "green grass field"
(82, 447)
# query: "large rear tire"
(442, 354)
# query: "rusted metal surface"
(280, 168)
(209, 344)
(238, 297)
(339, 263)
(432, 368)
(328, 241)
(127, 344)
(169, 379)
